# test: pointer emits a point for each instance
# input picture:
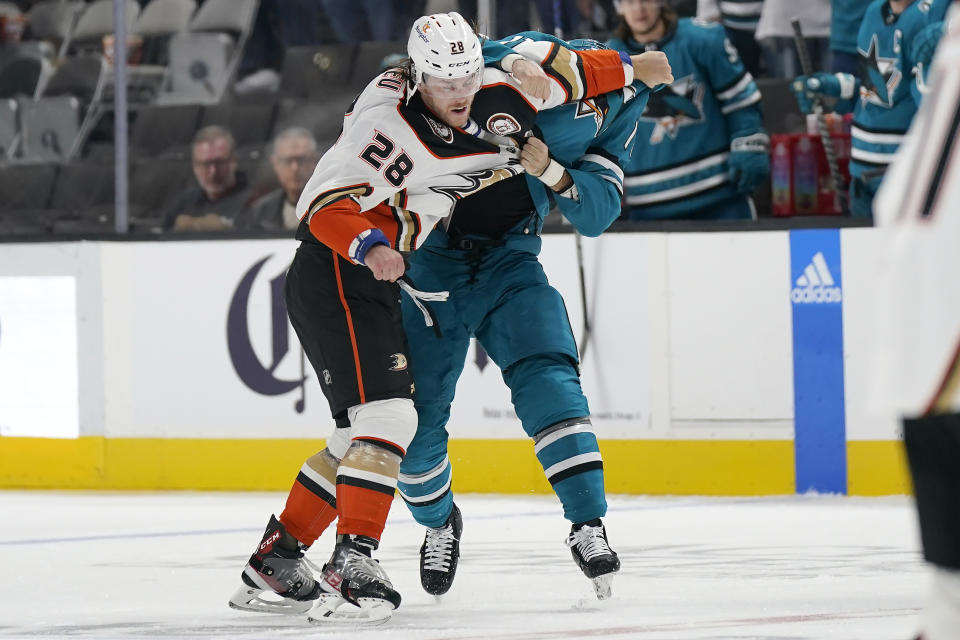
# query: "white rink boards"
(162, 565)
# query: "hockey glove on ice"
(828, 87)
(749, 162)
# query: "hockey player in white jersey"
(920, 323)
(415, 141)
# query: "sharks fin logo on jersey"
(474, 182)
(596, 108)
(879, 77)
(677, 105)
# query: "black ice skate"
(592, 553)
(439, 555)
(278, 569)
(352, 576)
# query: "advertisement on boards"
(38, 357)
(223, 361)
(816, 296)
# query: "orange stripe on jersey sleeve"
(334, 217)
(603, 71)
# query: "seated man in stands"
(293, 158)
(221, 192)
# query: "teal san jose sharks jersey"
(742, 15)
(593, 139)
(884, 106)
(679, 166)
(917, 17)
(845, 19)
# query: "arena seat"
(96, 21)
(157, 23)
(26, 186)
(52, 21)
(162, 129)
(26, 222)
(199, 68)
(55, 125)
(155, 181)
(204, 60)
(80, 185)
(317, 71)
(324, 119)
(250, 123)
(23, 76)
(9, 127)
(370, 61)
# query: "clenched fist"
(532, 78)
(384, 262)
(652, 68)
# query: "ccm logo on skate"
(267, 544)
(816, 285)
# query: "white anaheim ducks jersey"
(920, 202)
(397, 170)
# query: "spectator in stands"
(775, 35)
(704, 148)
(293, 158)
(221, 192)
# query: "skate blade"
(332, 610)
(602, 586)
(260, 601)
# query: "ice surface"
(162, 565)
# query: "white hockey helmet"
(446, 53)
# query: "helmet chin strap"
(414, 82)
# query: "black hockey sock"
(933, 449)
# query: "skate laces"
(362, 569)
(438, 548)
(590, 542)
(293, 570)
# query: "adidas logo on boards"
(816, 284)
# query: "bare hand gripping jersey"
(396, 170)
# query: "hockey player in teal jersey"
(917, 53)
(879, 97)
(740, 19)
(704, 146)
(845, 19)
(486, 258)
